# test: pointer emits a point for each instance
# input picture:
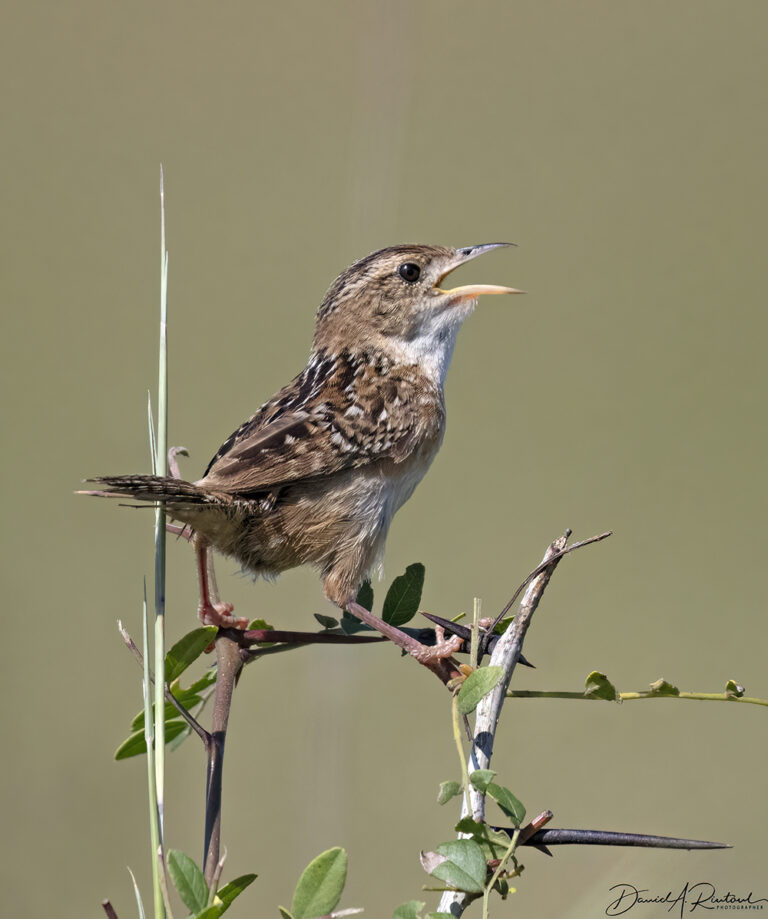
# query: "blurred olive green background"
(623, 147)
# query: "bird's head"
(394, 301)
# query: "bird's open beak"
(471, 291)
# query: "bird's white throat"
(431, 348)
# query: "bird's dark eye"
(409, 272)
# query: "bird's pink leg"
(210, 609)
(438, 658)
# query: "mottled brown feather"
(342, 412)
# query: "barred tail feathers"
(155, 488)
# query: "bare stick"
(108, 909)
(255, 636)
(188, 717)
(505, 655)
(185, 714)
(545, 564)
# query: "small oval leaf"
(321, 885)
(478, 684)
(494, 841)
(187, 650)
(447, 791)
(188, 880)
(663, 688)
(229, 892)
(598, 686)
(481, 778)
(511, 806)
(464, 866)
(365, 596)
(210, 912)
(188, 699)
(404, 595)
(135, 745)
(410, 910)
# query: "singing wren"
(316, 475)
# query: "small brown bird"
(316, 475)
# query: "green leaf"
(188, 699)
(513, 808)
(327, 622)
(464, 866)
(663, 688)
(135, 745)
(231, 891)
(210, 912)
(284, 913)
(321, 885)
(734, 689)
(468, 825)
(365, 596)
(481, 778)
(206, 680)
(404, 595)
(410, 910)
(494, 843)
(187, 650)
(447, 791)
(351, 624)
(188, 880)
(175, 742)
(600, 687)
(261, 624)
(478, 684)
(502, 888)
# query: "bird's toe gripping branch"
(437, 658)
(443, 648)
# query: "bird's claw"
(441, 650)
(219, 614)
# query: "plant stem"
(149, 739)
(161, 468)
(475, 637)
(632, 696)
(229, 664)
(505, 858)
(456, 717)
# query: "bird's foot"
(219, 614)
(442, 649)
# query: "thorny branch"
(505, 654)
(229, 665)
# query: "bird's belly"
(341, 520)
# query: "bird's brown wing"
(340, 413)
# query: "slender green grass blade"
(149, 735)
(161, 468)
(139, 902)
(152, 444)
